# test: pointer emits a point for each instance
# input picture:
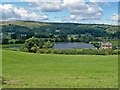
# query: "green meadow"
(29, 70)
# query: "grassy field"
(10, 45)
(27, 70)
(28, 24)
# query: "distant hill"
(19, 31)
(35, 24)
(30, 24)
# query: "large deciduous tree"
(34, 44)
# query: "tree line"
(60, 32)
(36, 45)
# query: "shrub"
(34, 44)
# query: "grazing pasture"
(29, 70)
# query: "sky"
(63, 11)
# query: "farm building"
(106, 45)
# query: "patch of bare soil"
(11, 82)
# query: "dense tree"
(47, 45)
(96, 44)
(5, 41)
(34, 44)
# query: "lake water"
(63, 45)
(14, 47)
(72, 45)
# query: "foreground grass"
(27, 70)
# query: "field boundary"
(60, 89)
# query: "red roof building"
(106, 45)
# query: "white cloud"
(46, 5)
(116, 17)
(57, 0)
(41, 1)
(10, 12)
(57, 21)
(104, 0)
(69, 3)
(96, 0)
(50, 6)
(79, 10)
(74, 4)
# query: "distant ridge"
(55, 22)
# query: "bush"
(102, 52)
(34, 44)
(5, 41)
(77, 51)
(11, 42)
(19, 41)
(116, 52)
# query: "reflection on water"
(72, 45)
